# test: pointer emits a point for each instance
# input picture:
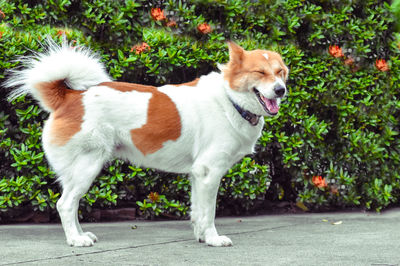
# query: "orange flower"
(140, 48)
(154, 197)
(349, 61)
(73, 45)
(2, 15)
(334, 190)
(157, 14)
(204, 28)
(335, 51)
(1, 34)
(145, 46)
(171, 23)
(381, 65)
(319, 181)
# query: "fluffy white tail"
(60, 67)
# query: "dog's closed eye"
(261, 72)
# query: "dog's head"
(256, 79)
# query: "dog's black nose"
(279, 90)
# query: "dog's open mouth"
(270, 105)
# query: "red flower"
(2, 15)
(140, 48)
(319, 181)
(335, 51)
(157, 14)
(204, 28)
(154, 197)
(381, 65)
(60, 33)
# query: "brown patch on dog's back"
(126, 87)
(163, 119)
(67, 109)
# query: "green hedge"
(340, 120)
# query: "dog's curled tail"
(50, 75)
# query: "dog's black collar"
(253, 119)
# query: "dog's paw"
(83, 240)
(219, 241)
(91, 236)
(197, 233)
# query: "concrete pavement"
(345, 238)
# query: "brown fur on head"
(246, 67)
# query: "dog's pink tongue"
(272, 105)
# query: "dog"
(200, 128)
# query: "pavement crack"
(98, 252)
(146, 245)
(268, 228)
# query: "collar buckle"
(253, 119)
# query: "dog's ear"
(235, 52)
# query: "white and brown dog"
(201, 128)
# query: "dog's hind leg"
(76, 179)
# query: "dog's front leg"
(205, 183)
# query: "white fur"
(213, 137)
(268, 89)
(75, 64)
